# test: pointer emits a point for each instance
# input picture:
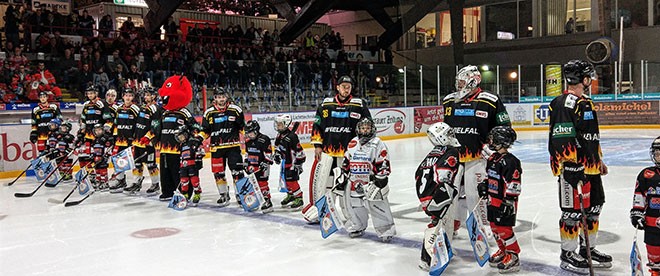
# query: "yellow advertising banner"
(553, 81)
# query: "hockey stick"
(114, 175)
(26, 169)
(45, 179)
(585, 229)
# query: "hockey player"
(259, 158)
(100, 150)
(94, 112)
(646, 211)
(575, 157)
(288, 148)
(472, 113)
(124, 133)
(334, 126)
(176, 93)
(191, 162)
(223, 123)
(41, 115)
(502, 188)
(149, 112)
(65, 142)
(436, 182)
(363, 183)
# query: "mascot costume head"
(176, 93)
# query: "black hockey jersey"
(148, 114)
(472, 119)
(574, 135)
(288, 146)
(94, 112)
(259, 150)
(189, 156)
(223, 125)
(504, 178)
(435, 176)
(335, 124)
(124, 126)
(647, 194)
(169, 123)
(41, 115)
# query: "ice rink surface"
(116, 234)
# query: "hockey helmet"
(43, 94)
(181, 134)
(366, 130)
(441, 134)
(467, 79)
(282, 122)
(54, 124)
(654, 151)
(98, 130)
(576, 70)
(501, 137)
(65, 127)
(345, 79)
(252, 129)
(91, 88)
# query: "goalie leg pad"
(358, 215)
(381, 217)
(319, 181)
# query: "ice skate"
(510, 263)
(223, 200)
(135, 187)
(573, 262)
(424, 265)
(118, 187)
(598, 259)
(496, 258)
(297, 203)
(267, 207)
(195, 200)
(356, 234)
(288, 199)
(164, 198)
(153, 190)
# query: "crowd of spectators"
(210, 55)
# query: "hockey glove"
(298, 168)
(637, 219)
(145, 141)
(482, 188)
(508, 208)
(33, 137)
(115, 150)
(264, 166)
(380, 181)
(277, 158)
(340, 183)
(195, 142)
(373, 192)
(573, 173)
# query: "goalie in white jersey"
(362, 183)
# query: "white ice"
(97, 237)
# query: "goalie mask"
(441, 134)
(467, 80)
(252, 129)
(501, 137)
(654, 151)
(366, 130)
(282, 122)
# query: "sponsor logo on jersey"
(360, 167)
(47, 115)
(652, 191)
(493, 186)
(220, 119)
(649, 174)
(231, 118)
(169, 120)
(91, 111)
(654, 203)
(466, 130)
(493, 173)
(124, 127)
(570, 101)
(360, 156)
(355, 115)
(502, 118)
(220, 131)
(168, 131)
(591, 136)
(563, 130)
(338, 129)
(339, 114)
(122, 116)
(588, 115)
(180, 121)
(352, 144)
(464, 112)
(481, 114)
(451, 161)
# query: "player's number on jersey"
(425, 172)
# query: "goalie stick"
(114, 175)
(45, 179)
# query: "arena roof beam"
(418, 10)
(159, 11)
(381, 16)
(310, 13)
(284, 9)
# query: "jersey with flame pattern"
(224, 126)
(41, 115)
(163, 130)
(472, 119)
(124, 126)
(148, 114)
(335, 124)
(94, 112)
(574, 135)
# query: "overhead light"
(379, 79)
(485, 67)
(513, 75)
(401, 70)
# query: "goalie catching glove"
(377, 189)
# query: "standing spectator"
(118, 78)
(171, 29)
(18, 59)
(11, 25)
(55, 20)
(101, 81)
(105, 26)
(85, 79)
(87, 24)
(73, 23)
(127, 28)
(309, 41)
(69, 68)
(569, 28)
(199, 70)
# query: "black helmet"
(91, 88)
(98, 130)
(344, 79)
(67, 125)
(43, 93)
(219, 91)
(655, 145)
(576, 70)
(129, 90)
(501, 137)
(181, 134)
(252, 126)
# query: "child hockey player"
(646, 209)
(102, 142)
(192, 154)
(287, 147)
(64, 146)
(363, 183)
(502, 189)
(259, 151)
(435, 182)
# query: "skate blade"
(224, 204)
(569, 267)
(605, 265)
(510, 270)
(269, 210)
(493, 264)
(295, 209)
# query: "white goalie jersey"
(364, 162)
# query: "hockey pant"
(652, 241)
(220, 159)
(322, 179)
(150, 159)
(358, 209)
(190, 176)
(170, 177)
(570, 223)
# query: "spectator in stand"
(156, 70)
(47, 81)
(338, 43)
(101, 81)
(18, 59)
(6, 74)
(172, 30)
(55, 20)
(133, 77)
(118, 78)
(85, 79)
(207, 33)
(69, 69)
(72, 23)
(199, 71)
(127, 28)
(174, 66)
(309, 41)
(20, 79)
(11, 25)
(105, 26)
(87, 24)
(114, 61)
(97, 61)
